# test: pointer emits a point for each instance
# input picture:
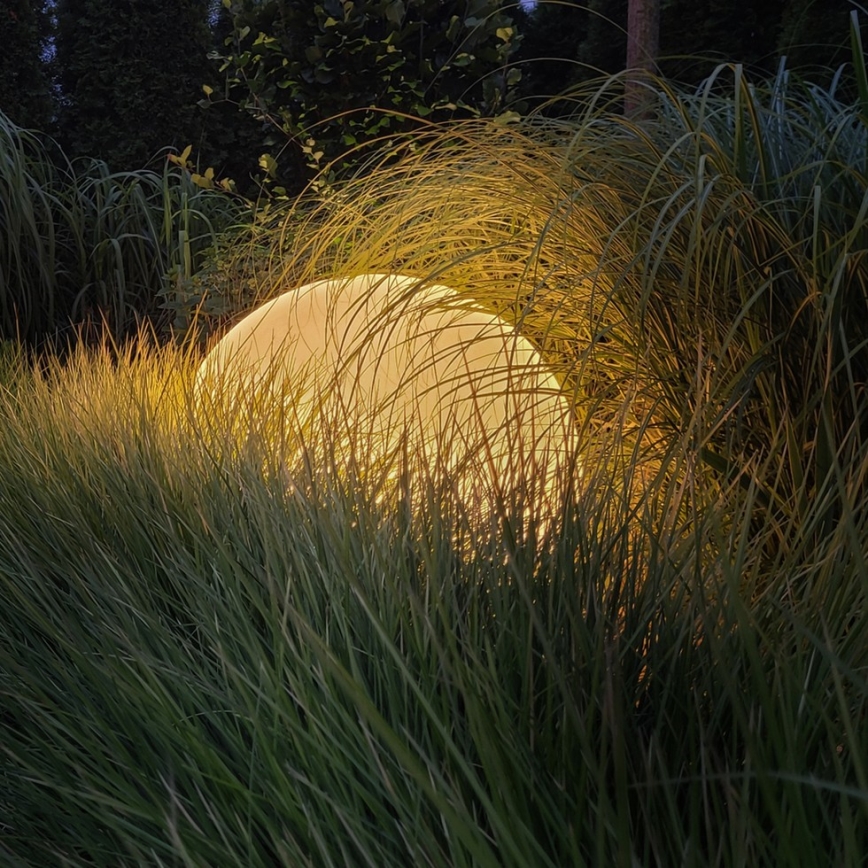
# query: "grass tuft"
(85, 246)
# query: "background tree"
(551, 38)
(696, 35)
(376, 63)
(25, 94)
(815, 34)
(643, 46)
(130, 74)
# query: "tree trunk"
(643, 44)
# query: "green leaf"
(395, 11)
(509, 117)
(269, 164)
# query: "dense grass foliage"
(201, 666)
(80, 243)
(224, 651)
(697, 277)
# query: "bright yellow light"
(409, 368)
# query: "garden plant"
(233, 651)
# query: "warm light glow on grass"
(403, 370)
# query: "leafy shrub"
(335, 74)
(130, 76)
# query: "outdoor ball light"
(403, 367)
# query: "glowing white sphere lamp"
(407, 367)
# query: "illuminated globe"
(400, 369)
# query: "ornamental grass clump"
(695, 281)
(82, 244)
(234, 651)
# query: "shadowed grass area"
(216, 655)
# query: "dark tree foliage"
(25, 93)
(563, 44)
(605, 47)
(815, 34)
(552, 37)
(330, 75)
(231, 140)
(696, 35)
(131, 73)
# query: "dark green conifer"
(131, 74)
(25, 92)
